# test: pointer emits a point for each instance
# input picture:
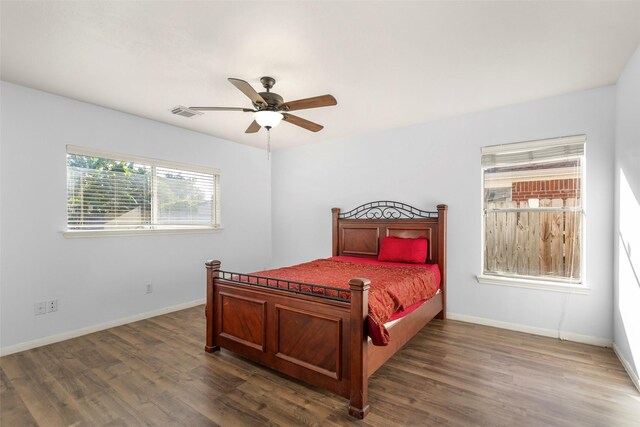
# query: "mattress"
(396, 288)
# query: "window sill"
(74, 234)
(545, 285)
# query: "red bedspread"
(393, 287)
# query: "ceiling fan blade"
(248, 90)
(253, 127)
(315, 102)
(303, 123)
(246, 110)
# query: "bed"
(317, 333)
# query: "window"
(532, 212)
(110, 193)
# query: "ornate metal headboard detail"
(385, 209)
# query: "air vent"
(184, 111)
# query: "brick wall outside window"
(550, 189)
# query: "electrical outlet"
(52, 306)
(40, 308)
(149, 288)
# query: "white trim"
(627, 367)
(568, 336)
(216, 201)
(534, 283)
(153, 164)
(75, 234)
(544, 285)
(4, 351)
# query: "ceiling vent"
(184, 111)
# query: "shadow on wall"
(629, 266)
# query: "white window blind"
(533, 151)
(109, 191)
(184, 197)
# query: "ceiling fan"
(269, 108)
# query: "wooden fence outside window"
(539, 241)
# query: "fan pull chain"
(268, 143)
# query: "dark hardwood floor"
(155, 372)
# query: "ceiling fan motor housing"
(273, 101)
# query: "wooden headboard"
(358, 232)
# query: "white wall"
(626, 303)
(99, 280)
(439, 162)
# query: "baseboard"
(569, 336)
(627, 367)
(4, 351)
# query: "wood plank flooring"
(155, 372)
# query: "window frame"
(532, 282)
(153, 164)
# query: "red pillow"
(399, 249)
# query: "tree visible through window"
(532, 210)
(105, 193)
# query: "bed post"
(335, 213)
(442, 257)
(213, 272)
(359, 380)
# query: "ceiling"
(388, 63)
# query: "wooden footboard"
(319, 341)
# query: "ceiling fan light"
(268, 119)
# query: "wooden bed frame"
(272, 326)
